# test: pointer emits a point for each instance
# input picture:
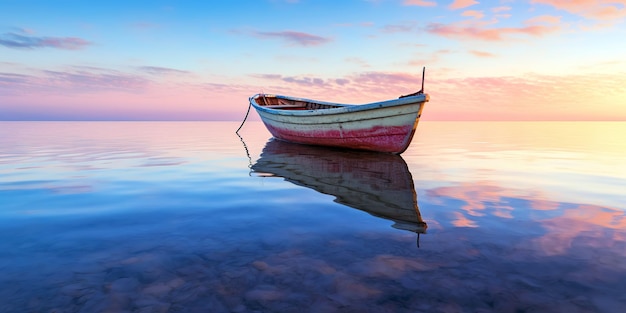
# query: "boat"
(377, 183)
(384, 126)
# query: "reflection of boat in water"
(377, 183)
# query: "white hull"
(386, 126)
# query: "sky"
(202, 60)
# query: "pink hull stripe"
(393, 139)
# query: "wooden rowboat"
(386, 126)
(377, 183)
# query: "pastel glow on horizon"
(173, 60)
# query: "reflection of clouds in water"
(544, 205)
(461, 221)
(479, 198)
(565, 228)
(586, 226)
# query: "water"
(188, 217)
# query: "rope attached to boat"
(244, 119)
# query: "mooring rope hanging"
(244, 119)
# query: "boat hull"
(386, 126)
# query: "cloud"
(12, 78)
(399, 28)
(302, 81)
(342, 81)
(423, 58)
(482, 54)
(479, 32)
(268, 76)
(306, 81)
(544, 19)
(295, 38)
(592, 9)
(460, 4)
(382, 78)
(473, 13)
(72, 80)
(155, 70)
(95, 80)
(420, 3)
(17, 41)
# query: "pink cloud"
(482, 54)
(544, 19)
(295, 38)
(460, 4)
(479, 32)
(430, 58)
(592, 9)
(462, 221)
(421, 3)
(473, 13)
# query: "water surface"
(188, 217)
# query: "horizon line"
(258, 120)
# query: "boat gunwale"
(342, 109)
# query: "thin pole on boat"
(421, 91)
(244, 119)
(423, 75)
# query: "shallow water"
(188, 217)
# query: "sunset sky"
(201, 60)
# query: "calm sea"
(189, 217)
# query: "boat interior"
(274, 102)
